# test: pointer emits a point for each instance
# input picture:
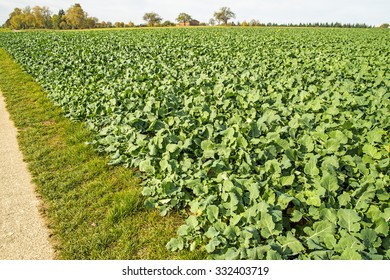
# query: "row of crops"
(275, 142)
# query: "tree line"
(76, 18)
(42, 18)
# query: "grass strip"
(94, 211)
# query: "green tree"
(223, 15)
(91, 22)
(55, 21)
(168, 23)
(119, 24)
(385, 25)
(152, 18)
(16, 19)
(75, 17)
(17, 22)
(39, 18)
(28, 17)
(183, 18)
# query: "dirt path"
(23, 234)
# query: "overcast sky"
(372, 12)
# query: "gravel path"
(23, 234)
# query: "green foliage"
(276, 141)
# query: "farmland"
(274, 142)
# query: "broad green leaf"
(329, 214)
(371, 151)
(284, 200)
(146, 166)
(213, 243)
(386, 214)
(339, 136)
(330, 161)
(350, 254)
(291, 242)
(254, 192)
(307, 143)
(296, 216)
(329, 182)
(349, 219)
(242, 142)
(211, 232)
(212, 213)
(363, 202)
(230, 232)
(348, 241)
(273, 255)
(313, 199)
(368, 237)
(172, 148)
(311, 167)
(332, 145)
(192, 221)
(317, 233)
(175, 244)
(273, 166)
(267, 225)
(381, 227)
(287, 180)
(183, 230)
(344, 199)
(232, 254)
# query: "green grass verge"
(94, 211)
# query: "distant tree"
(244, 23)
(223, 15)
(384, 25)
(119, 24)
(16, 12)
(168, 23)
(29, 20)
(16, 19)
(183, 18)
(75, 16)
(7, 24)
(62, 18)
(130, 24)
(152, 19)
(55, 21)
(212, 22)
(61, 13)
(253, 22)
(17, 22)
(39, 18)
(91, 22)
(337, 24)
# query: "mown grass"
(94, 211)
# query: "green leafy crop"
(275, 142)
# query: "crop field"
(274, 143)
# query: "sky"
(371, 12)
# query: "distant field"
(275, 141)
